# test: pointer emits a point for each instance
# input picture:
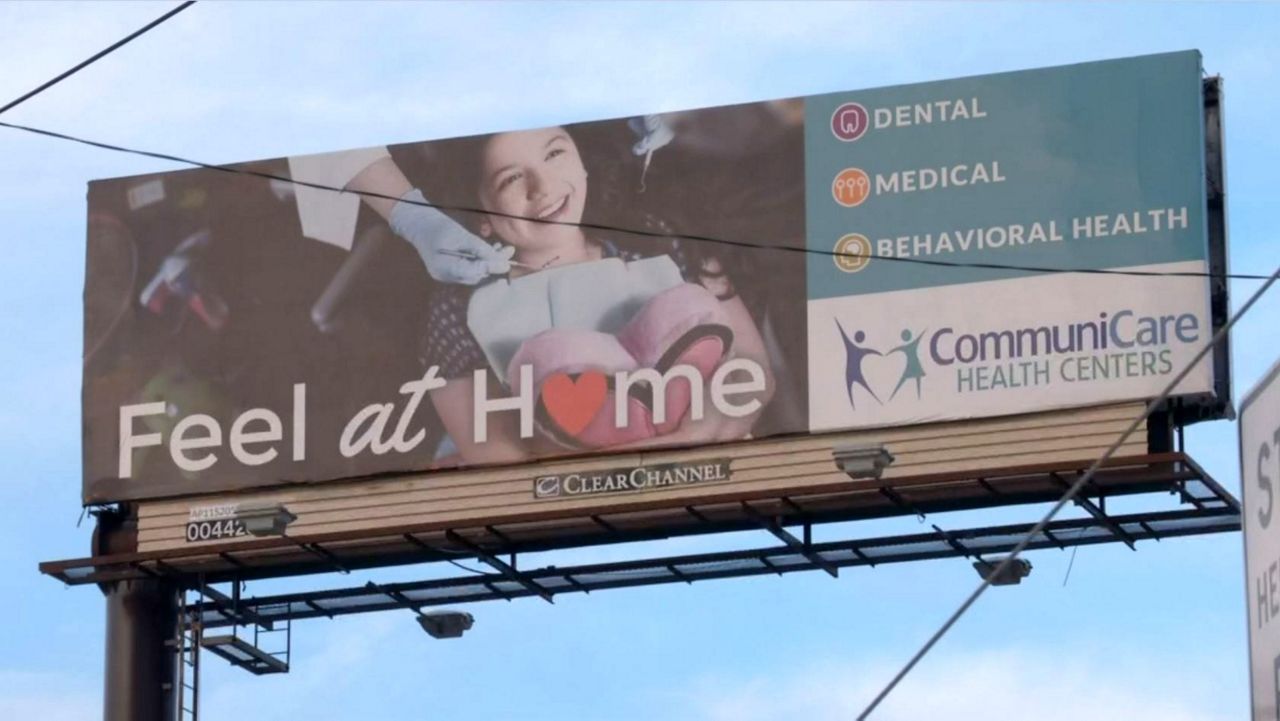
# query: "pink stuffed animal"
(573, 368)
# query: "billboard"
(1259, 474)
(797, 266)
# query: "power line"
(631, 231)
(1069, 495)
(98, 56)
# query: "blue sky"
(1157, 634)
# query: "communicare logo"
(902, 362)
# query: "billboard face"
(1259, 474)
(682, 280)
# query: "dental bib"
(586, 322)
(601, 295)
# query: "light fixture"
(445, 623)
(1011, 575)
(265, 520)
(862, 461)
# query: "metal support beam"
(1049, 535)
(396, 596)
(958, 546)
(324, 553)
(316, 607)
(501, 567)
(229, 608)
(596, 519)
(897, 500)
(1098, 513)
(783, 535)
(733, 564)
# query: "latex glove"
(451, 253)
(653, 132)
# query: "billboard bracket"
(501, 567)
(324, 553)
(226, 556)
(506, 540)
(960, 547)
(230, 607)
(612, 529)
(783, 535)
(789, 503)
(576, 583)
(1149, 530)
(1172, 475)
(676, 572)
(1098, 513)
(401, 599)
(769, 564)
(318, 608)
(153, 573)
(861, 556)
(897, 500)
(1054, 539)
(699, 515)
(986, 541)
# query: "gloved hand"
(653, 131)
(451, 253)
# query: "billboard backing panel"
(665, 281)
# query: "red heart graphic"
(573, 403)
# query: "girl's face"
(533, 174)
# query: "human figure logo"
(857, 352)
(914, 369)
(849, 122)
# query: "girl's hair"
(450, 176)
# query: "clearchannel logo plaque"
(635, 478)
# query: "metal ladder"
(189, 632)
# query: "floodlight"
(445, 623)
(862, 461)
(1012, 574)
(268, 520)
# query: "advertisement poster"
(678, 280)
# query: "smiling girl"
(532, 189)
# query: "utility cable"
(97, 56)
(1070, 495)
(631, 231)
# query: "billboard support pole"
(142, 656)
(140, 674)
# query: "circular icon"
(853, 252)
(851, 187)
(849, 122)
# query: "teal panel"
(1113, 138)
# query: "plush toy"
(573, 369)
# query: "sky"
(1156, 634)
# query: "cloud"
(1040, 684)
